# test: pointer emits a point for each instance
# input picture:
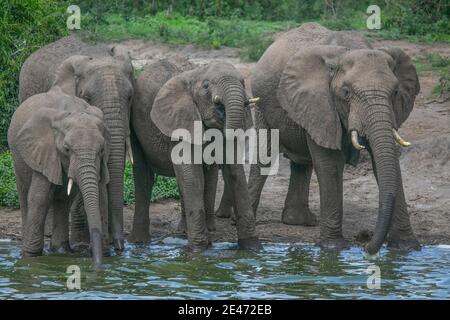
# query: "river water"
(165, 270)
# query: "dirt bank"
(425, 165)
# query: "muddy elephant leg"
(234, 176)
(296, 208)
(191, 183)
(226, 209)
(181, 228)
(329, 167)
(256, 183)
(60, 235)
(79, 230)
(39, 198)
(22, 192)
(144, 179)
(103, 199)
(211, 174)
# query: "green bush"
(8, 191)
(25, 26)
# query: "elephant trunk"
(384, 153)
(115, 115)
(88, 184)
(234, 102)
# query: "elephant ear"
(68, 73)
(37, 146)
(174, 108)
(304, 93)
(409, 86)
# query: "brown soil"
(425, 165)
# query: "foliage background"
(26, 25)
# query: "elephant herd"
(330, 94)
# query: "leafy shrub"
(8, 191)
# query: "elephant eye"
(66, 148)
(205, 85)
(345, 91)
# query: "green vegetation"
(164, 187)
(437, 64)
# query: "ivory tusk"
(355, 141)
(69, 186)
(129, 150)
(399, 139)
(253, 102)
(216, 99)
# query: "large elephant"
(59, 143)
(104, 78)
(168, 98)
(331, 94)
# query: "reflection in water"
(164, 270)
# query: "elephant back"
(38, 72)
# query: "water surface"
(164, 270)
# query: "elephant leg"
(234, 176)
(226, 209)
(60, 234)
(181, 228)
(103, 197)
(329, 167)
(39, 197)
(211, 174)
(143, 181)
(22, 192)
(256, 183)
(296, 208)
(191, 183)
(79, 230)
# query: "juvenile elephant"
(168, 98)
(103, 77)
(331, 94)
(58, 143)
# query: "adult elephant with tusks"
(169, 97)
(331, 95)
(103, 76)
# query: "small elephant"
(59, 143)
(169, 97)
(102, 76)
(331, 94)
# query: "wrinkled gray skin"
(316, 86)
(166, 98)
(104, 78)
(54, 137)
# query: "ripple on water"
(165, 270)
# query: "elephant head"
(338, 95)
(71, 141)
(214, 94)
(106, 82)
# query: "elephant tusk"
(355, 142)
(253, 102)
(216, 99)
(69, 186)
(399, 139)
(129, 150)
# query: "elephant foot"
(138, 236)
(210, 222)
(62, 248)
(182, 226)
(224, 212)
(80, 247)
(252, 244)
(29, 253)
(334, 244)
(404, 244)
(296, 217)
(198, 247)
(119, 245)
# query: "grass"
(252, 37)
(437, 64)
(164, 187)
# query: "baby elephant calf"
(59, 143)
